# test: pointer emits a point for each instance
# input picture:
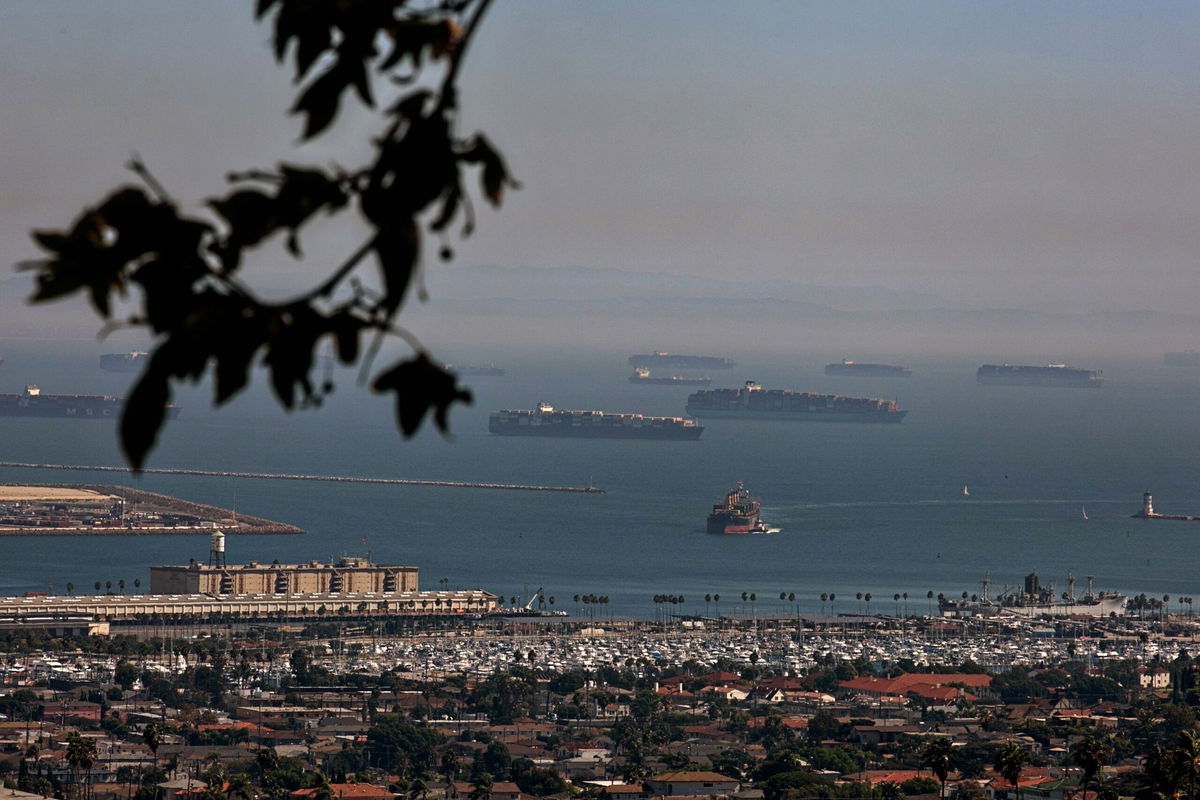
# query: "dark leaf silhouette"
(144, 412)
(421, 385)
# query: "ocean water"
(857, 508)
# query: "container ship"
(32, 403)
(545, 420)
(124, 362)
(1050, 375)
(642, 375)
(736, 514)
(753, 402)
(661, 359)
(1185, 358)
(856, 369)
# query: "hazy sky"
(997, 153)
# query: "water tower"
(216, 550)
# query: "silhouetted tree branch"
(185, 269)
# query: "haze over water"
(859, 508)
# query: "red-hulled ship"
(737, 514)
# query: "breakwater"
(518, 487)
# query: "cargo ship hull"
(651, 360)
(1100, 607)
(876, 417)
(69, 406)
(545, 421)
(1054, 375)
(752, 402)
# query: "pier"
(512, 487)
(1148, 512)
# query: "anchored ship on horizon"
(754, 402)
(662, 359)
(545, 420)
(32, 403)
(1057, 375)
(864, 370)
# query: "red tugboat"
(738, 514)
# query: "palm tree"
(1090, 755)
(1011, 758)
(81, 755)
(70, 587)
(137, 583)
(939, 757)
(97, 587)
(152, 737)
(824, 597)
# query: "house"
(55, 712)
(1154, 678)
(347, 791)
(691, 783)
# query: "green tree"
(125, 675)
(401, 745)
(189, 270)
(919, 786)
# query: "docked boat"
(1036, 600)
(32, 403)
(545, 420)
(856, 369)
(754, 402)
(132, 361)
(1058, 375)
(736, 514)
(642, 375)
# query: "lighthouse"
(1147, 505)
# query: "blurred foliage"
(187, 270)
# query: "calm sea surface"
(858, 508)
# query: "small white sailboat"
(1085, 516)
(965, 492)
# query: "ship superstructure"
(753, 402)
(545, 420)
